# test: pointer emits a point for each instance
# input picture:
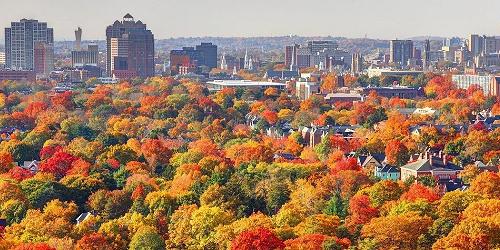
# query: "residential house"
(486, 167)
(285, 157)
(83, 217)
(370, 162)
(387, 172)
(32, 166)
(373, 160)
(428, 164)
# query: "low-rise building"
(17, 75)
(428, 164)
(378, 72)
(402, 92)
(333, 98)
(217, 85)
(490, 84)
(304, 90)
(282, 75)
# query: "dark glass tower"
(130, 49)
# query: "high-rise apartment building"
(130, 49)
(401, 51)
(44, 58)
(24, 41)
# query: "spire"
(223, 64)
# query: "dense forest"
(166, 164)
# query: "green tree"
(146, 238)
(336, 206)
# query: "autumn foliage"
(260, 238)
(166, 163)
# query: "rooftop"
(245, 83)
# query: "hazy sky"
(192, 18)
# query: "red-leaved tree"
(419, 191)
(257, 239)
(58, 164)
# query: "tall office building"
(357, 63)
(130, 49)
(475, 44)
(426, 57)
(291, 55)
(401, 51)
(24, 41)
(491, 45)
(84, 57)
(193, 59)
(208, 54)
(318, 46)
(320, 54)
(90, 56)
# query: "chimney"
(445, 160)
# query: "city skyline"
(225, 18)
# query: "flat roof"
(245, 83)
(331, 95)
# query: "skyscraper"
(24, 41)
(130, 49)
(401, 51)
